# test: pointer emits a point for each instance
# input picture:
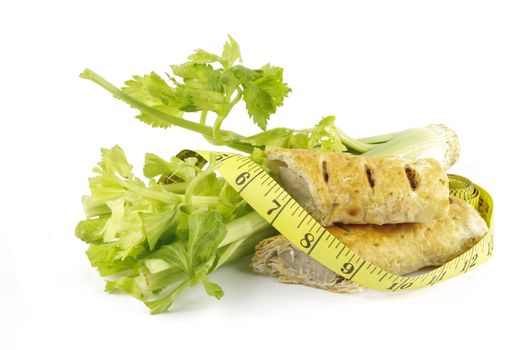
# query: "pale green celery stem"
(156, 281)
(220, 119)
(378, 138)
(230, 138)
(356, 145)
(178, 187)
(243, 227)
(217, 128)
(93, 208)
(205, 200)
(411, 143)
(239, 146)
(237, 97)
(163, 303)
(244, 247)
(173, 198)
(166, 197)
(202, 121)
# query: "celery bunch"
(152, 240)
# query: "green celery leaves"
(153, 239)
(323, 136)
(263, 91)
(209, 83)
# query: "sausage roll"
(344, 188)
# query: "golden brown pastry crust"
(399, 248)
(344, 188)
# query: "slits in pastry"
(344, 188)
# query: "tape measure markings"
(266, 178)
(332, 242)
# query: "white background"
(378, 66)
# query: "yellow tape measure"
(277, 207)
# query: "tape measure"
(277, 207)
